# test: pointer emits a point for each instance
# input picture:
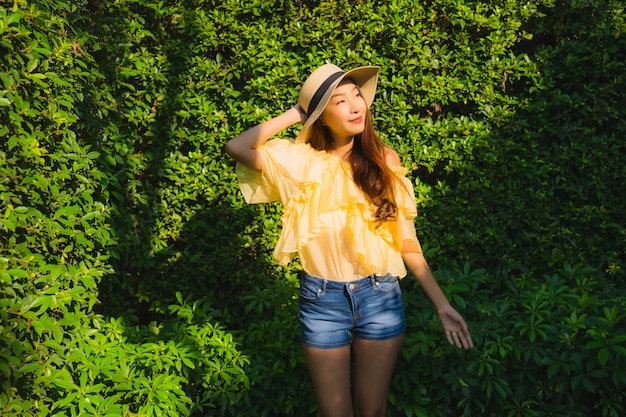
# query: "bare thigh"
(374, 361)
(330, 373)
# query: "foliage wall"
(135, 281)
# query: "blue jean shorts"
(332, 312)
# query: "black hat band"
(315, 100)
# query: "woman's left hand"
(455, 328)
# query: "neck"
(342, 147)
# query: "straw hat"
(318, 88)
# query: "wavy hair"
(369, 166)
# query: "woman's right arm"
(244, 148)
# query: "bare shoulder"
(392, 158)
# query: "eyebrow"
(343, 94)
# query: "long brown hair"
(369, 167)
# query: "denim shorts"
(331, 312)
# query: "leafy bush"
(54, 225)
(546, 346)
(136, 281)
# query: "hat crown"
(319, 86)
(316, 80)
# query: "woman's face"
(345, 113)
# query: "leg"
(330, 373)
(374, 363)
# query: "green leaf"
(18, 273)
(603, 356)
(32, 64)
(65, 384)
(14, 17)
(619, 349)
(29, 368)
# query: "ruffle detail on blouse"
(320, 197)
(285, 168)
(325, 187)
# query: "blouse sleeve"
(407, 211)
(285, 165)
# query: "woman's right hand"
(301, 113)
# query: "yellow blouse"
(327, 220)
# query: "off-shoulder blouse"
(327, 220)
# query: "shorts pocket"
(310, 290)
(386, 286)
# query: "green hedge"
(135, 281)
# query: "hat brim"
(366, 78)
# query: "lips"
(357, 120)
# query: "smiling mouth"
(357, 120)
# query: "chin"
(357, 130)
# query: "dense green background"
(135, 281)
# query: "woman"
(348, 214)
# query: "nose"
(356, 105)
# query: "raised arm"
(244, 148)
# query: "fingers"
(460, 339)
(450, 338)
(456, 329)
(466, 337)
(467, 341)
